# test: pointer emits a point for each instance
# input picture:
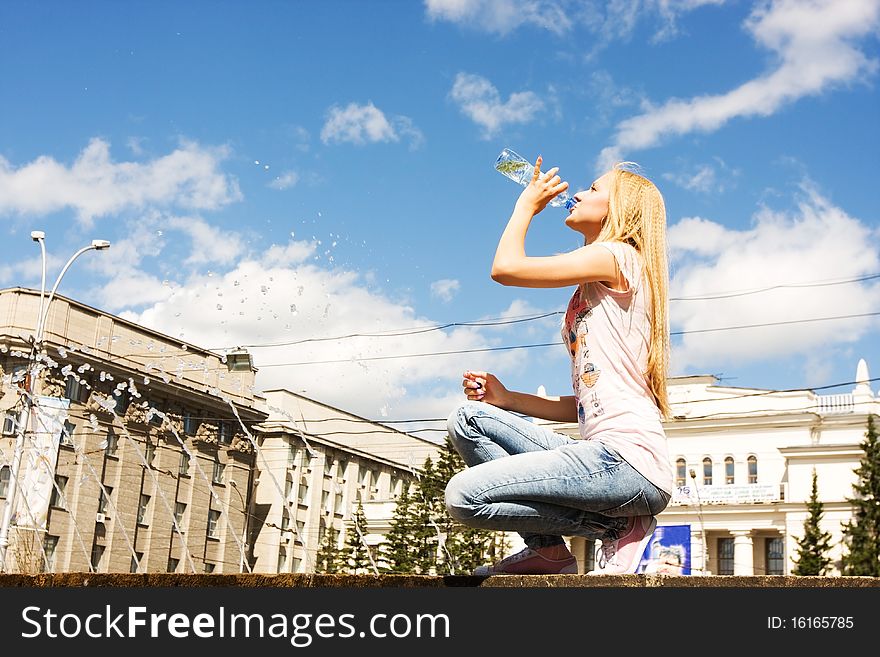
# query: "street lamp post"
(30, 384)
(246, 515)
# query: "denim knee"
(456, 424)
(458, 503)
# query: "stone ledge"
(254, 580)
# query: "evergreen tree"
(359, 556)
(397, 549)
(424, 536)
(862, 533)
(814, 544)
(330, 557)
(436, 543)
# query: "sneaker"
(622, 555)
(530, 562)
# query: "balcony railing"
(835, 404)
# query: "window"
(282, 559)
(179, 510)
(340, 470)
(707, 471)
(775, 556)
(394, 486)
(137, 558)
(753, 469)
(219, 468)
(123, 399)
(112, 443)
(338, 504)
(103, 499)
(9, 422)
(292, 453)
(75, 390)
(225, 433)
(66, 437)
(680, 467)
(285, 520)
(4, 480)
(374, 487)
(183, 465)
(328, 465)
(728, 470)
(326, 504)
(154, 416)
(57, 500)
(97, 556)
(725, 556)
(300, 531)
(363, 478)
(209, 567)
(303, 493)
(50, 543)
(172, 565)
(213, 524)
(190, 423)
(142, 509)
(149, 453)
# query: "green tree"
(359, 555)
(331, 558)
(436, 543)
(396, 550)
(424, 535)
(862, 533)
(815, 543)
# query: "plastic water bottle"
(520, 170)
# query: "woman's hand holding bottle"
(543, 188)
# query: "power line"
(728, 295)
(416, 355)
(792, 321)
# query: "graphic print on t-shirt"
(574, 334)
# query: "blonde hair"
(637, 216)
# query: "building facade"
(316, 464)
(156, 455)
(136, 456)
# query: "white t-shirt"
(607, 334)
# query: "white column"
(699, 558)
(743, 553)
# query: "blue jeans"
(526, 478)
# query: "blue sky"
(271, 172)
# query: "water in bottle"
(519, 169)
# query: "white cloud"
(708, 178)
(284, 180)
(481, 102)
(670, 10)
(209, 243)
(501, 16)
(606, 20)
(12, 273)
(96, 186)
(818, 242)
(445, 289)
(362, 124)
(284, 295)
(814, 42)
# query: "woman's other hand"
(543, 188)
(482, 386)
